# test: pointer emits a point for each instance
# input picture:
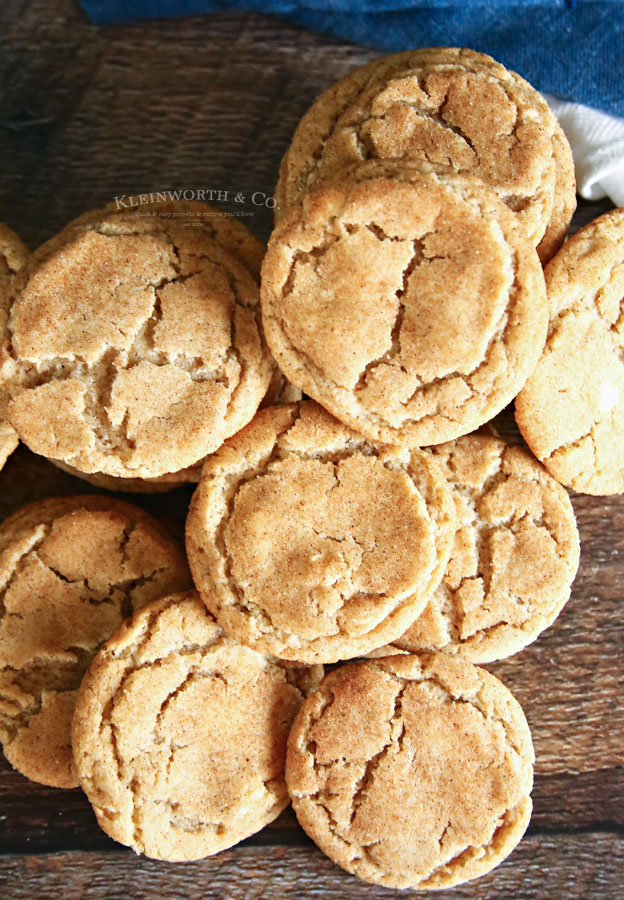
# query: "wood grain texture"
(577, 867)
(211, 102)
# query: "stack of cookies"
(403, 292)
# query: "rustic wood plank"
(200, 102)
(573, 867)
(591, 801)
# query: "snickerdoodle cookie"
(412, 771)
(280, 391)
(446, 106)
(405, 299)
(571, 411)
(179, 734)
(308, 543)
(133, 346)
(71, 569)
(515, 554)
(13, 255)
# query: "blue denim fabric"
(571, 48)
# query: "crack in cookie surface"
(412, 771)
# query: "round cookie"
(446, 106)
(280, 391)
(180, 732)
(412, 771)
(308, 543)
(169, 362)
(13, 256)
(515, 554)
(71, 569)
(407, 300)
(571, 410)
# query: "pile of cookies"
(403, 292)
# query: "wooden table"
(210, 103)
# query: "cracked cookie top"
(13, 256)
(405, 299)
(514, 558)
(445, 106)
(412, 771)
(180, 732)
(71, 569)
(571, 410)
(280, 391)
(308, 543)
(132, 344)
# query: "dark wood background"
(89, 114)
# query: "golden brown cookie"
(180, 732)
(446, 106)
(515, 554)
(71, 569)
(571, 410)
(169, 360)
(280, 391)
(412, 771)
(407, 300)
(13, 256)
(308, 543)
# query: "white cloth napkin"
(597, 141)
